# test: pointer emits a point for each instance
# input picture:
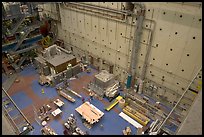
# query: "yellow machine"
(113, 103)
(142, 119)
(46, 41)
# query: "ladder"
(184, 103)
(26, 32)
(12, 112)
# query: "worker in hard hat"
(43, 91)
(91, 95)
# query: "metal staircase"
(184, 103)
(27, 49)
(16, 26)
(26, 32)
(21, 61)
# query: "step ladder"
(184, 103)
(18, 127)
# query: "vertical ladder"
(184, 103)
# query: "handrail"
(178, 101)
(16, 106)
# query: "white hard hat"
(65, 124)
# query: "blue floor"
(21, 100)
(57, 126)
(28, 70)
(13, 112)
(112, 123)
(48, 91)
(111, 126)
(172, 127)
(37, 129)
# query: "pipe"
(142, 7)
(136, 42)
(140, 4)
(90, 12)
(122, 21)
(101, 8)
(144, 68)
(178, 101)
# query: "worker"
(101, 126)
(43, 91)
(44, 109)
(83, 99)
(157, 105)
(41, 110)
(65, 132)
(72, 115)
(91, 95)
(82, 117)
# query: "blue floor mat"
(57, 127)
(13, 112)
(21, 100)
(173, 127)
(49, 91)
(112, 122)
(37, 129)
(29, 70)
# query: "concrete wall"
(176, 49)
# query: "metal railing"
(164, 122)
(28, 124)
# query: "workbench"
(56, 112)
(59, 103)
(89, 112)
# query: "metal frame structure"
(28, 124)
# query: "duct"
(140, 4)
(129, 6)
(136, 41)
(137, 38)
(146, 58)
(121, 21)
(101, 8)
(90, 12)
(144, 68)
